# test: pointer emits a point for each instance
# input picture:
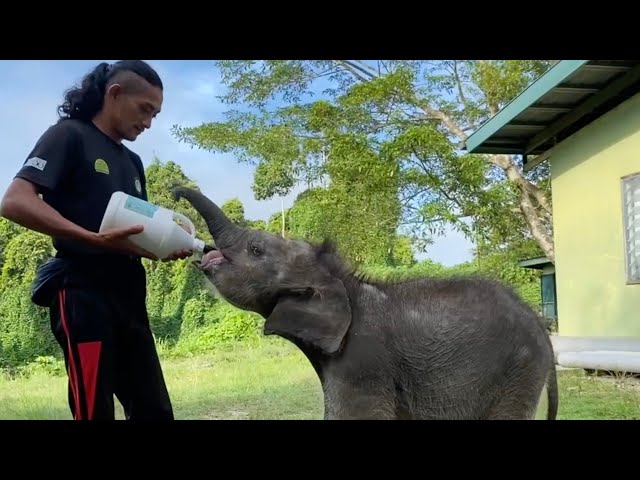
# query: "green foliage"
(8, 230)
(197, 312)
(526, 282)
(379, 131)
(24, 327)
(323, 213)
(170, 285)
(402, 253)
(234, 210)
(48, 365)
(221, 325)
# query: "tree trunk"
(529, 192)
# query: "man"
(95, 287)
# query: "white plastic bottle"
(164, 230)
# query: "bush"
(25, 331)
(222, 325)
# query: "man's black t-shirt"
(79, 167)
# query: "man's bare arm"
(21, 204)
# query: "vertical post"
(282, 205)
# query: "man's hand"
(178, 255)
(117, 239)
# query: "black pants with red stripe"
(102, 326)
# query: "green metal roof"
(538, 263)
(567, 97)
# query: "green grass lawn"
(274, 381)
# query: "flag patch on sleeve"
(36, 162)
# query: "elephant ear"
(318, 316)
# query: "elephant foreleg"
(354, 404)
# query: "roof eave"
(538, 263)
(529, 95)
(536, 121)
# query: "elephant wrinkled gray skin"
(418, 349)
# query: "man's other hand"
(178, 255)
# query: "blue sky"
(30, 91)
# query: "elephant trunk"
(223, 230)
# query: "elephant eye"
(255, 250)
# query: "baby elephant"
(418, 349)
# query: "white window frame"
(630, 187)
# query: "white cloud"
(31, 90)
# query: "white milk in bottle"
(164, 230)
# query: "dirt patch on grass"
(227, 415)
(629, 382)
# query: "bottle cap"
(198, 245)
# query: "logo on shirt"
(101, 166)
(138, 186)
(36, 162)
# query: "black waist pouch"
(104, 273)
(50, 277)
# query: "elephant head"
(290, 283)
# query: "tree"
(234, 209)
(397, 126)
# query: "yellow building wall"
(592, 291)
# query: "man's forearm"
(22, 205)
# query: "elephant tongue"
(213, 257)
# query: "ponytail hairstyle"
(84, 101)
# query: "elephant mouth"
(212, 259)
